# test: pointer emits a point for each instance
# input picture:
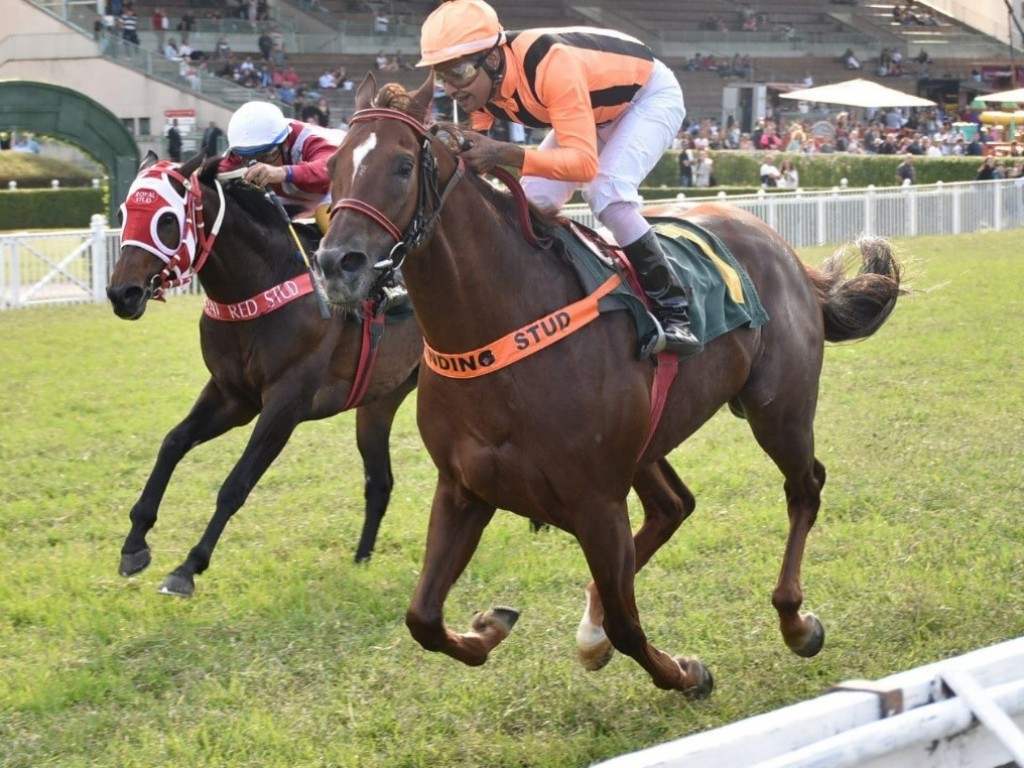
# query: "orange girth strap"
(515, 346)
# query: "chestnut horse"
(561, 436)
(282, 362)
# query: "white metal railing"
(960, 713)
(821, 217)
(74, 266)
(65, 267)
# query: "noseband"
(422, 223)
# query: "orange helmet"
(459, 28)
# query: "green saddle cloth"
(722, 297)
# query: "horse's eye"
(405, 167)
(167, 219)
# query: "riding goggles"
(462, 74)
(266, 156)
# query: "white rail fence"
(74, 266)
(965, 712)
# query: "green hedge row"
(742, 169)
(31, 171)
(737, 172)
(49, 208)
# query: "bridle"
(153, 188)
(429, 190)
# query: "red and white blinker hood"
(150, 197)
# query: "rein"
(429, 187)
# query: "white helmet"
(256, 127)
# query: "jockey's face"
(466, 81)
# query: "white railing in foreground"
(964, 712)
(68, 267)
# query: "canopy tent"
(1008, 97)
(866, 94)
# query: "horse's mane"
(249, 198)
(453, 136)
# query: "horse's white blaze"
(359, 154)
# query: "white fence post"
(911, 202)
(6, 278)
(869, 210)
(98, 226)
(12, 298)
(997, 214)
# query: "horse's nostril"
(352, 261)
(125, 295)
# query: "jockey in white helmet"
(288, 156)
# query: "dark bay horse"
(561, 436)
(269, 351)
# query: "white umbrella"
(1010, 97)
(858, 93)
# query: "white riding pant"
(628, 149)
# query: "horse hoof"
(595, 657)
(135, 563)
(177, 586)
(815, 638)
(705, 680)
(363, 559)
(500, 617)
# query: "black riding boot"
(668, 297)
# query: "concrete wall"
(44, 48)
(988, 16)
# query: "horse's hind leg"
(803, 633)
(788, 437)
(612, 556)
(667, 502)
(373, 438)
(457, 521)
(211, 416)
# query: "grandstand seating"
(651, 19)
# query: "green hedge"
(741, 169)
(30, 171)
(735, 172)
(49, 208)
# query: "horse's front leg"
(608, 546)
(667, 502)
(270, 435)
(457, 521)
(211, 416)
(373, 438)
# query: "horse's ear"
(423, 95)
(149, 160)
(189, 166)
(366, 91)
(208, 170)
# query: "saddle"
(722, 297)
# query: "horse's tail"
(854, 308)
